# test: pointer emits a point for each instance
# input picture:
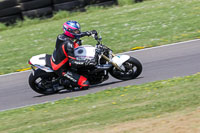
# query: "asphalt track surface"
(159, 63)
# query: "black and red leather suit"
(63, 59)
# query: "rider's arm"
(72, 60)
(87, 33)
(82, 34)
(69, 49)
(60, 40)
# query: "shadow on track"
(91, 87)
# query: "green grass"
(150, 23)
(125, 2)
(99, 110)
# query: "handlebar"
(99, 44)
(97, 38)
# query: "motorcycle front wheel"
(132, 69)
(42, 82)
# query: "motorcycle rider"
(63, 61)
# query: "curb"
(138, 48)
(24, 69)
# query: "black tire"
(79, 10)
(41, 12)
(61, 1)
(21, 1)
(35, 4)
(69, 6)
(136, 68)
(40, 74)
(10, 11)
(7, 3)
(10, 19)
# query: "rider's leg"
(73, 78)
(76, 79)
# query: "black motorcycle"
(43, 80)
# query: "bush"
(61, 15)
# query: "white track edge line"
(166, 45)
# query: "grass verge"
(147, 24)
(95, 112)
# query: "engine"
(97, 78)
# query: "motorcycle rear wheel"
(133, 68)
(41, 82)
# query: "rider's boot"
(64, 82)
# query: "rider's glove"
(94, 32)
(88, 33)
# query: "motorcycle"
(43, 80)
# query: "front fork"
(109, 60)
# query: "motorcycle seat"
(48, 60)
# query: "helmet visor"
(75, 31)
